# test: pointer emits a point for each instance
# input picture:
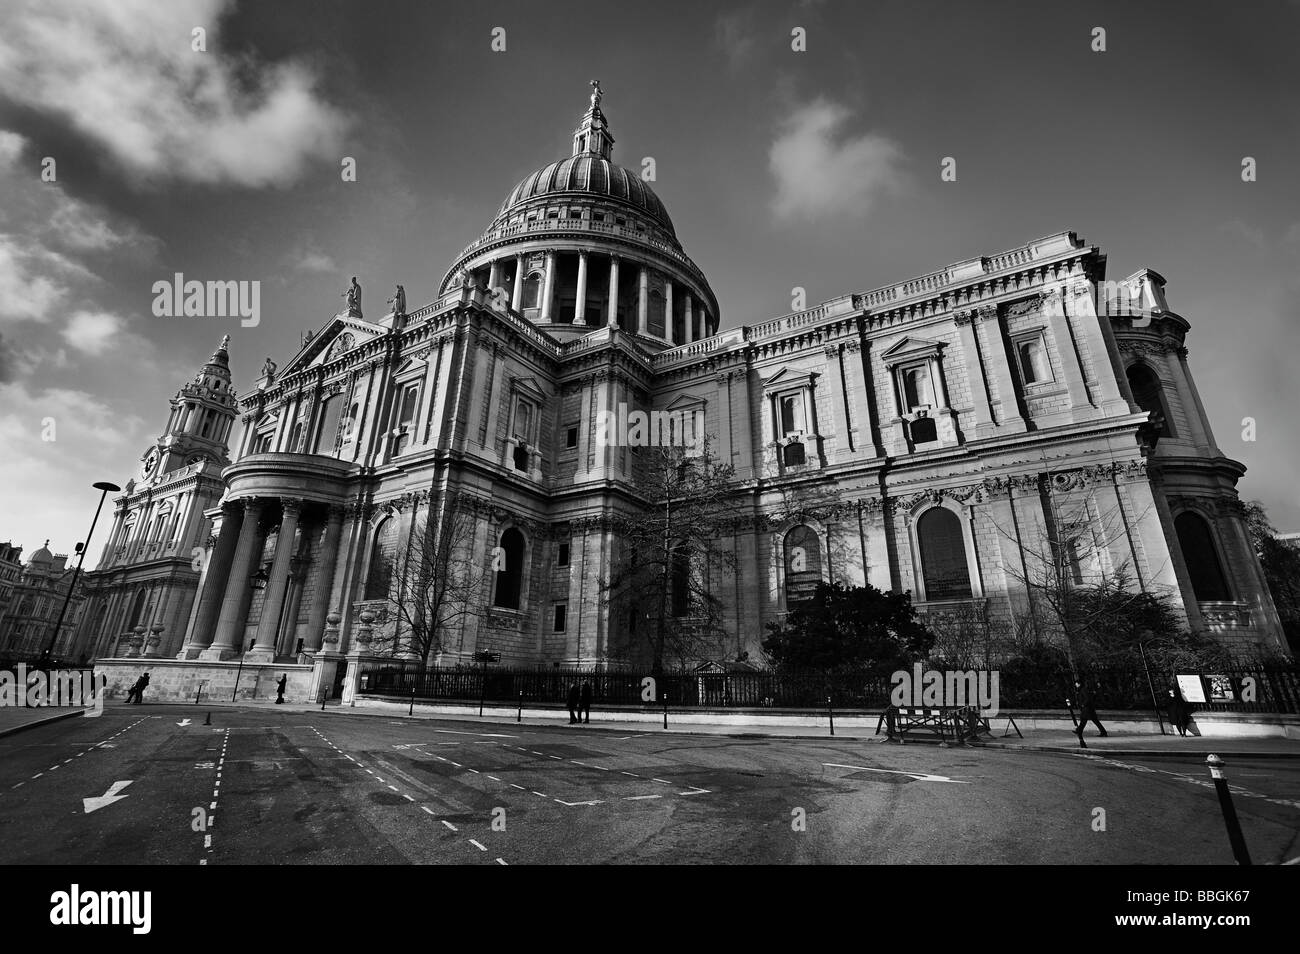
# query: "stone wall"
(172, 680)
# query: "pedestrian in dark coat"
(134, 690)
(584, 702)
(1087, 713)
(573, 704)
(1180, 713)
(279, 689)
(144, 684)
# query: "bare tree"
(671, 554)
(437, 586)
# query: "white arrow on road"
(919, 776)
(184, 722)
(108, 798)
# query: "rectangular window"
(523, 421)
(561, 616)
(1032, 358)
(571, 437)
(792, 417)
(562, 555)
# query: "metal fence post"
(665, 710)
(519, 716)
(830, 712)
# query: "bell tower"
(202, 415)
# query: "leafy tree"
(1281, 563)
(849, 626)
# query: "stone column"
(494, 277)
(580, 306)
(668, 310)
(688, 313)
(1088, 326)
(1070, 367)
(548, 287)
(690, 326)
(517, 293)
(974, 373)
(215, 577)
(613, 292)
(643, 301)
(1191, 408)
(273, 603)
(238, 592)
(325, 560)
(1009, 417)
(612, 307)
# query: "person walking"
(1087, 713)
(573, 704)
(139, 693)
(1180, 713)
(133, 691)
(279, 689)
(584, 702)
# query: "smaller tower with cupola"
(140, 596)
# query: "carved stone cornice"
(963, 317)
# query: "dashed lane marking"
(477, 845)
(448, 824)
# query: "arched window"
(294, 437)
(510, 576)
(532, 290)
(1149, 394)
(137, 609)
(943, 555)
(1201, 557)
(328, 428)
(916, 388)
(1033, 361)
(383, 551)
(803, 564)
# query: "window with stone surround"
(1149, 394)
(1201, 557)
(942, 545)
(508, 585)
(532, 290)
(561, 616)
(1031, 357)
(327, 429)
(803, 564)
(383, 553)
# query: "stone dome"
(589, 175)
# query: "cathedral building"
(962, 418)
(36, 597)
(140, 597)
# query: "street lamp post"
(103, 487)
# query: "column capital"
(963, 317)
(291, 505)
(987, 312)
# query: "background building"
(37, 599)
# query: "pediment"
(789, 378)
(912, 347)
(340, 336)
(683, 401)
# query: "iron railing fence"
(1254, 688)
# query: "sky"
(220, 156)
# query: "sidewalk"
(18, 718)
(1131, 744)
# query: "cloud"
(124, 74)
(31, 279)
(735, 34)
(92, 332)
(1251, 234)
(820, 172)
(315, 262)
(11, 147)
(47, 482)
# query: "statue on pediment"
(353, 297)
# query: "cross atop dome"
(592, 137)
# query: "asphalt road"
(265, 786)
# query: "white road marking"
(108, 798)
(427, 809)
(539, 793)
(449, 824)
(664, 781)
(207, 841)
(919, 776)
(502, 862)
(633, 774)
(573, 804)
(494, 778)
(640, 798)
(393, 787)
(407, 797)
(520, 787)
(477, 845)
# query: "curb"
(1143, 753)
(39, 722)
